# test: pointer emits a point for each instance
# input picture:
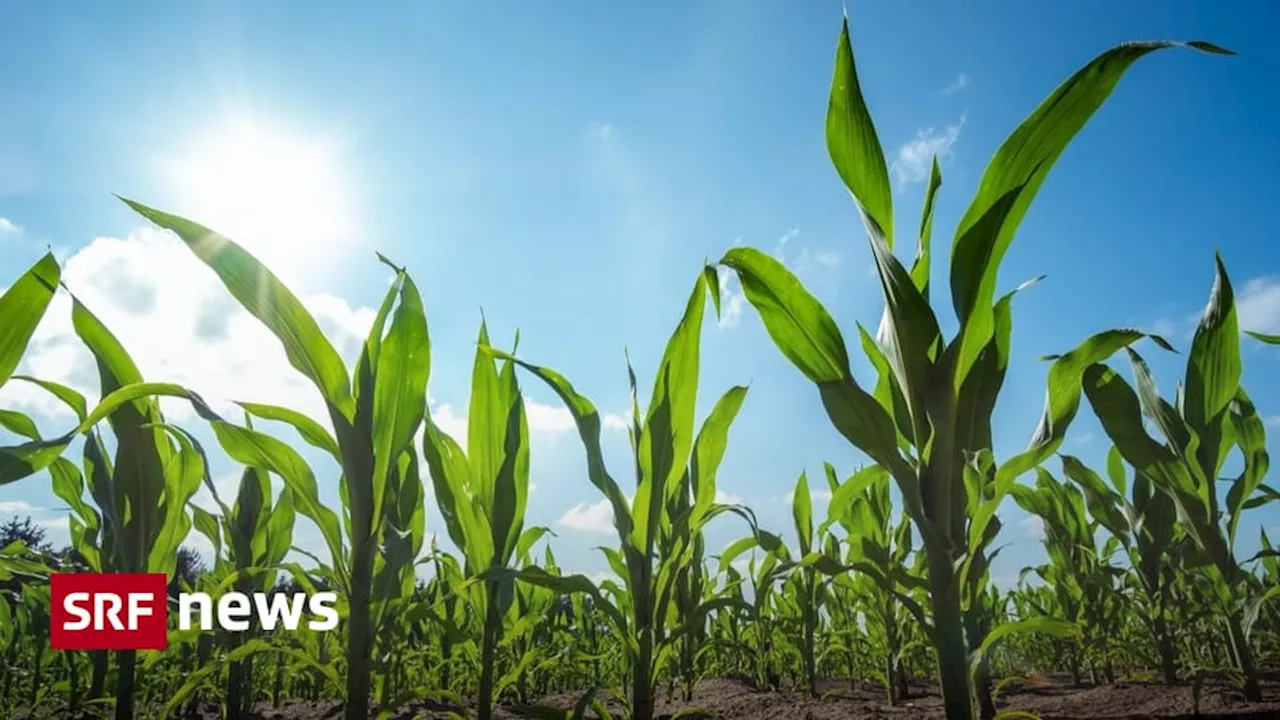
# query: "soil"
(730, 699)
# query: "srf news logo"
(130, 611)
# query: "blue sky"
(569, 166)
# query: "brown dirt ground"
(727, 699)
(1051, 700)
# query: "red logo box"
(108, 611)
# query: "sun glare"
(277, 194)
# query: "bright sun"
(277, 194)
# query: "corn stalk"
(930, 412)
(1211, 416)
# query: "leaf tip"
(1209, 47)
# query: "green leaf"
(261, 293)
(922, 267)
(311, 431)
(710, 447)
(1012, 180)
(802, 513)
(854, 146)
(1213, 365)
(69, 397)
(1042, 624)
(254, 449)
(22, 306)
(587, 419)
(799, 325)
(400, 395)
(1062, 399)
(19, 424)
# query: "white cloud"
(732, 299)
(599, 577)
(727, 498)
(914, 159)
(1258, 305)
(7, 227)
(548, 419)
(787, 237)
(827, 259)
(617, 422)
(180, 325)
(1272, 420)
(453, 424)
(594, 517)
(1033, 525)
(1257, 309)
(960, 83)
(17, 506)
(62, 523)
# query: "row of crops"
(1141, 575)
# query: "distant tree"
(25, 530)
(189, 566)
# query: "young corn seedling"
(668, 460)
(1080, 573)
(1143, 520)
(930, 410)
(1211, 416)
(258, 536)
(482, 494)
(374, 414)
(140, 492)
(878, 550)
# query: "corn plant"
(141, 492)
(1142, 519)
(482, 494)
(668, 460)
(1084, 581)
(258, 536)
(931, 408)
(808, 588)
(375, 415)
(1211, 416)
(878, 550)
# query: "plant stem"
(949, 637)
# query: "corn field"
(1141, 578)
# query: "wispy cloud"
(617, 421)
(1257, 308)
(960, 83)
(594, 517)
(779, 250)
(914, 158)
(732, 299)
(7, 227)
(1033, 525)
(17, 506)
(827, 259)
(727, 498)
(1258, 305)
